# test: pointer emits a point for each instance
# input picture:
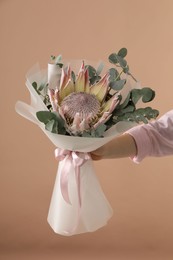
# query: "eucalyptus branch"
(132, 76)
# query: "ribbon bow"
(77, 159)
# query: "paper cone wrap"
(95, 211)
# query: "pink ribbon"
(77, 159)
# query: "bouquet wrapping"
(78, 203)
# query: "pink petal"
(115, 102)
(51, 94)
(65, 76)
(84, 125)
(68, 89)
(80, 81)
(87, 85)
(76, 122)
(110, 104)
(105, 117)
(100, 89)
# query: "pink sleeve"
(154, 139)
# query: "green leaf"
(126, 69)
(139, 115)
(149, 112)
(52, 126)
(122, 61)
(58, 59)
(145, 114)
(34, 84)
(93, 76)
(52, 121)
(113, 58)
(122, 52)
(45, 116)
(91, 70)
(119, 111)
(126, 101)
(117, 85)
(86, 134)
(100, 68)
(59, 64)
(41, 87)
(135, 95)
(113, 74)
(100, 130)
(94, 79)
(129, 108)
(73, 76)
(148, 94)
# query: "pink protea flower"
(82, 106)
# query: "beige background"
(141, 195)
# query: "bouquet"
(81, 106)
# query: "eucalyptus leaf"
(119, 111)
(73, 76)
(100, 130)
(86, 134)
(60, 64)
(143, 114)
(117, 85)
(94, 79)
(122, 52)
(141, 118)
(129, 108)
(91, 70)
(135, 95)
(148, 94)
(114, 74)
(139, 115)
(113, 58)
(34, 84)
(150, 112)
(41, 87)
(126, 101)
(58, 59)
(100, 68)
(52, 126)
(45, 116)
(122, 61)
(52, 119)
(126, 70)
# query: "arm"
(153, 139)
(119, 147)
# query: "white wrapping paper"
(95, 211)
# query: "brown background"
(141, 195)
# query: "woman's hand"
(120, 147)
